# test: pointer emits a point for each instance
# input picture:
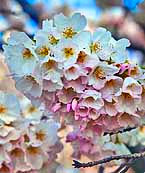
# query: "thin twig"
(128, 129)
(8, 12)
(120, 131)
(124, 165)
(78, 164)
(125, 169)
(120, 168)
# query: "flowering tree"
(73, 78)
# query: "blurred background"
(27, 16)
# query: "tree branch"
(7, 12)
(77, 164)
(128, 129)
(120, 131)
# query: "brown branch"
(128, 129)
(120, 131)
(7, 12)
(77, 164)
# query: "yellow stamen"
(31, 79)
(16, 152)
(53, 40)
(134, 71)
(69, 32)
(81, 57)
(32, 109)
(33, 150)
(72, 69)
(142, 129)
(43, 51)
(99, 73)
(95, 47)
(110, 83)
(3, 109)
(68, 52)
(127, 96)
(132, 86)
(40, 135)
(50, 64)
(27, 53)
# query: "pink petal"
(68, 107)
(123, 68)
(72, 136)
(56, 107)
(74, 104)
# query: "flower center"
(68, 52)
(40, 135)
(16, 152)
(27, 53)
(53, 40)
(131, 86)
(50, 64)
(32, 109)
(99, 73)
(31, 79)
(95, 47)
(110, 83)
(134, 71)
(69, 32)
(81, 57)
(4, 169)
(33, 150)
(3, 109)
(43, 51)
(89, 99)
(127, 96)
(26, 138)
(72, 69)
(142, 129)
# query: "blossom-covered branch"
(80, 79)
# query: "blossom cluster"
(85, 79)
(26, 143)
